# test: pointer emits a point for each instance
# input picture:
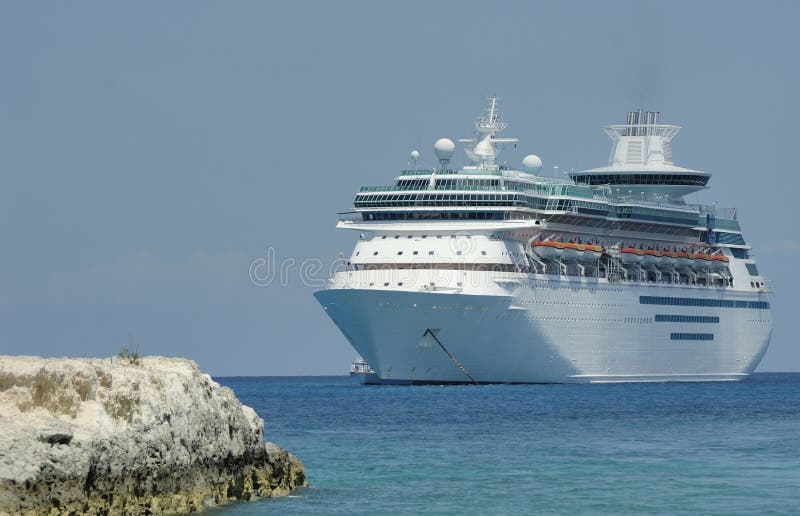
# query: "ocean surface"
(677, 448)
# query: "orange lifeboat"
(683, 260)
(631, 255)
(548, 250)
(591, 253)
(650, 257)
(567, 251)
(668, 259)
(571, 252)
(718, 262)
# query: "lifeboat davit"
(631, 255)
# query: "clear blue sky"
(150, 151)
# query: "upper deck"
(454, 192)
(640, 193)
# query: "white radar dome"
(444, 149)
(532, 163)
(415, 154)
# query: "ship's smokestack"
(629, 122)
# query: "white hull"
(547, 331)
(366, 378)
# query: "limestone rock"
(89, 436)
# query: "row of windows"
(384, 237)
(438, 199)
(430, 253)
(642, 179)
(706, 319)
(474, 184)
(435, 215)
(390, 200)
(486, 184)
(660, 215)
(694, 301)
(691, 336)
(741, 254)
(421, 184)
(724, 238)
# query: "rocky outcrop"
(148, 435)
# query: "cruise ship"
(496, 274)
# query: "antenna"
(444, 149)
(480, 149)
(414, 158)
(532, 163)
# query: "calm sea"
(692, 448)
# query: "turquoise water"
(708, 448)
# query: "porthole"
(399, 253)
(375, 253)
(415, 253)
(483, 253)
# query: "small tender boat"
(361, 370)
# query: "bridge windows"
(643, 179)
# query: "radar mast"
(480, 149)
